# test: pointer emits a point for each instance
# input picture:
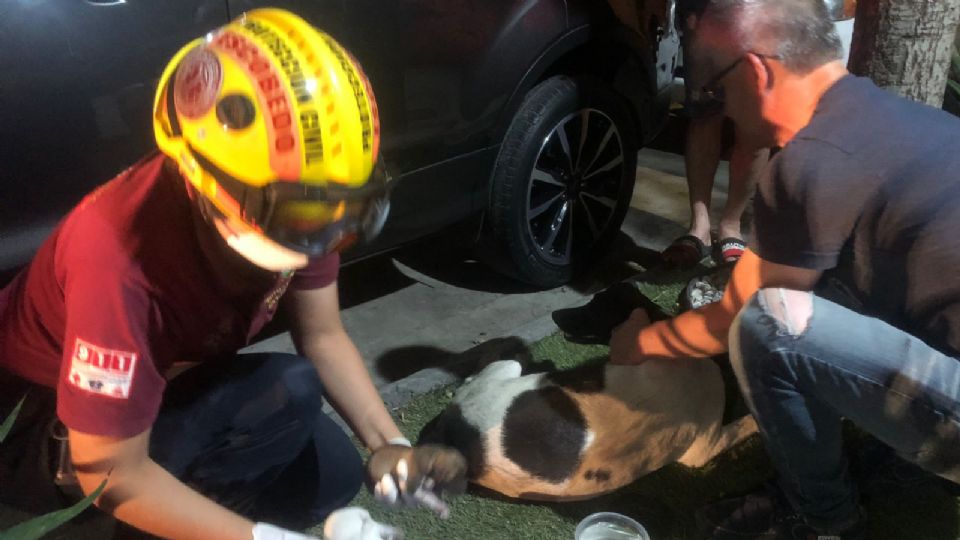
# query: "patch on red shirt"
(102, 371)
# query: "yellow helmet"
(275, 125)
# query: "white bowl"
(609, 526)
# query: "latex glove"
(265, 531)
(354, 523)
(400, 475)
(350, 523)
(624, 340)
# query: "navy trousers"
(248, 433)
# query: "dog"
(581, 433)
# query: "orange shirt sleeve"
(703, 332)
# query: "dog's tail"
(723, 439)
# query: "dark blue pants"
(248, 433)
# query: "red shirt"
(127, 285)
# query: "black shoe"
(594, 321)
(767, 515)
(877, 468)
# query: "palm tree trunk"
(905, 45)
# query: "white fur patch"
(588, 441)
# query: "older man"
(865, 192)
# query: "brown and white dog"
(581, 433)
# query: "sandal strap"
(731, 249)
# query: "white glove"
(350, 523)
(265, 531)
(354, 523)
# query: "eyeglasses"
(713, 90)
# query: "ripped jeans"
(803, 363)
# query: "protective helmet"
(275, 126)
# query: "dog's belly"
(619, 445)
(558, 444)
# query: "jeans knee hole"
(786, 313)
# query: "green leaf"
(39, 526)
(8, 423)
(955, 86)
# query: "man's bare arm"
(319, 335)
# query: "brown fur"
(645, 417)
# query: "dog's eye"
(236, 111)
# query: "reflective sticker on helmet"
(274, 100)
(198, 81)
(300, 84)
(358, 85)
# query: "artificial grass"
(658, 501)
(665, 501)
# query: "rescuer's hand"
(419, 476)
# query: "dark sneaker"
(766, 515)
(798, 530)
(877, 469)
(594, 321)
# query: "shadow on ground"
(401, 362)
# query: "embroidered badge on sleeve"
(102, 371)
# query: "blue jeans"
(803, 363)
(250, 434)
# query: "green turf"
(665, 501)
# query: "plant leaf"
(8, 423)
(39, 526)
(955, 86)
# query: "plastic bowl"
(609, 526)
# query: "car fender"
(529, 34)
(633, 75)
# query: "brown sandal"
(685, 252)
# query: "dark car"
(524, 113)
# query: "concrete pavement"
(429, 306)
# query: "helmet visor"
(316, 227)
(314, 220)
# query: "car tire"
(558, 194)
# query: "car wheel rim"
(574, 186)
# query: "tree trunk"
(905, 45)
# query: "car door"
(412, 94)
(75, 100)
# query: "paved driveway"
(430, 304)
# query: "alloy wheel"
(574, 186)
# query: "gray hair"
(799, 32)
